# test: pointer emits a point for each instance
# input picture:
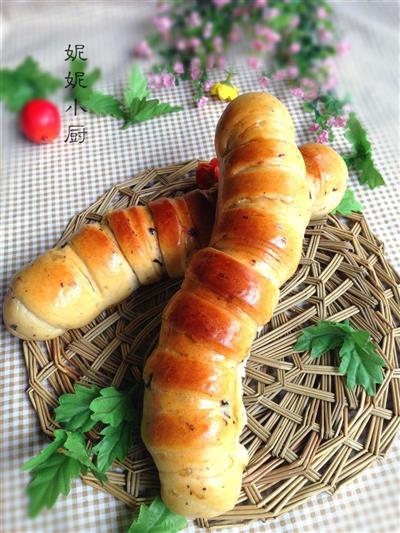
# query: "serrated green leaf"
(115, 444)
(101, 104)
(137, 86)
(49, 480)
(60, 436)
(24, 83)
(356, 134)
(157, 518)
(359, 360)
(74, 409)
(348, 204)
(142, 109)
(370, 174)
(113, 407)
(75, 447)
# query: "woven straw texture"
(306, 432)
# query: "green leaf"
(49, 480)
(370, 174)
(74, 409)
(90, 78)
(60, 436)
(115, 444)
(359, 360)
(142, 109)
(113, 407)
(75, 447)
(157, 519)
(101, 104)
(356, 134)
(24, 83)
(348, 204)
(137, 86)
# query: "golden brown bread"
(102, 264)
(193, 411)
(69, 287)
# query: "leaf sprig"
(348, 204)
(157, 518)
(24, 83)
(360, 159)
(64, 459)
(359, 359)
(136, 105)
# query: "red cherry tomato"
(207, 174)
(40, 121)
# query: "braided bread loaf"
(193, 410)
(103, 263)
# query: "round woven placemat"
(306, 432)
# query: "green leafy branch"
(68, 455)
(136, 105)
(24, 83)
(359, 359)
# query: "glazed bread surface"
(102, 264)
(68, 287)
(193, 410)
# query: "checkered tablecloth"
(42, 187)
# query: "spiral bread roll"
(193, 410)
(102, 264)
(67, 287)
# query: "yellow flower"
(224, 91)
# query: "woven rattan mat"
(306, 432)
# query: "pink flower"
(264, 81)
(162, 24)
(162, 7)
(295, 47)
(280, 75)
(321, 13)
(314, 127)
(207, 85)
(195, 68)
(258, 44)
(254, 62)
(155, 81)
(178, 68)
(194, 20)
(292, 72)
(211, 61)
(325, 36)
(221, 61)
(194, 42)
(272, 36)
(201, 102)
(180, 44)
(271, 13)
(167, 80)
(294, 22)
(343, 47)
(218, 44)
(207, 30)
(142, 50)
(235, 34)
(330, 83)
(259, 3)
(341, 122)
(311, 95)
(323, 137)
(307, 82)
(221, 3)
(298, 92)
